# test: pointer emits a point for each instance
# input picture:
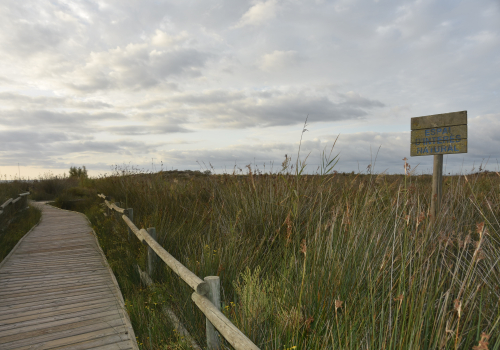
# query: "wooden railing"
(9, 209)
(206, 294)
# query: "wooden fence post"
(151, 254)
(213, 282)
(118, 205)
(437, 186)
(130, 215)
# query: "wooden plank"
(46, 308)
(49, 270)
(58, 259)
(49, 288)
(81, 267)
(54, 302)
(16, 279)
(58, 276)
(110, 342)
(24, 325)
(91, 292)
(69, 334)
(61, 274)
(19, 334)
(438, 148)
(443, 134)
(438, 120)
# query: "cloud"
(279, 60)
(14, 139)
(47, 118)
(52, 148)
(163, 39)
(136, 66)
(244, 109)
(14, 99)
(259, 13)
(146, 129)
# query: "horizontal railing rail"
(11, 207)
(206, 294)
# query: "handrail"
(11, 206)
(115, 207)
(233, 335)
(7, 202)
(200, 286)
(225, 327)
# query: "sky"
(222, 84)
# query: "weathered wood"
(6, 203)
(233, 335)
(437, 186)
(57, 290)
(438, 120)
(183, 272)
(438, 148)
(130, 215)
(114, 207)
(213, 282)
(133, 228)
(34, 311)
(152, 257)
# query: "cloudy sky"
(231, 82)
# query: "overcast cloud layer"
(227, 82)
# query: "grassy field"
(344, 261)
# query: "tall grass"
(340, 261)
(20, 225)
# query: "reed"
(315, 261)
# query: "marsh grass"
(20, 225)
(344, 261)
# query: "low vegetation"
(342, 261)
(20, 225)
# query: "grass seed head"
(303, 247)
(483, 342)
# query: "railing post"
(213, 282)
(130, 215)
(151, 254)
(10, 212)
(118, 205)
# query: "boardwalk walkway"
(57, 291)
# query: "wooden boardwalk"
(58, 292)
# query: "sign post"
(436, 135)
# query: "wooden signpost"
(436, 135)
